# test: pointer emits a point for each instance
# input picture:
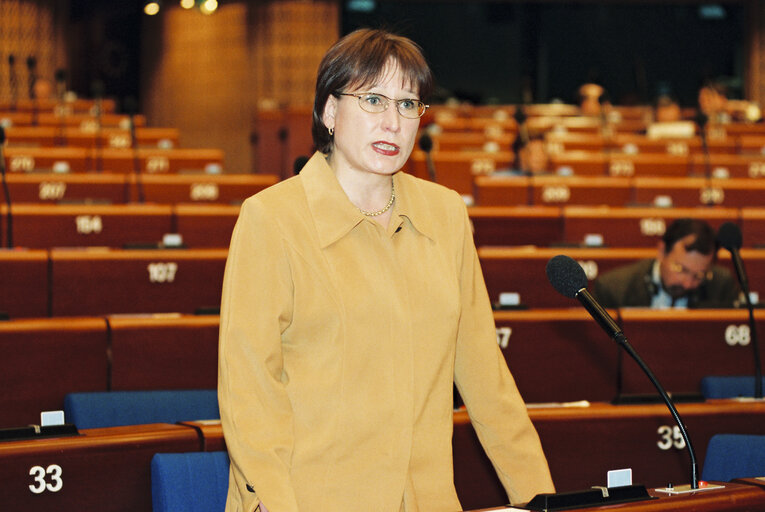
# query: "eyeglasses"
(678, 268)
(409, 108)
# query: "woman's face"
(378, 143)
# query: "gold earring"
(331, 131)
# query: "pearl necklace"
(385, 208)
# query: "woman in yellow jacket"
(352, 300)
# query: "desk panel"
(456, 169)
(31, 159)
(98, 282)
(681, 347)
(23, 280)
(164, 352)
(199, 188)
(155, 161)
(500, 190)
(44, 225)
(558, 355)
(108, 470)
(582, 444)
(206, 225)
(57, 188)
(519, 225)
(43, 360)
(522, 270)
(634, 227)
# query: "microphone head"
(2, 135)
(519, 115)
(701, 119)
(729, 236)
(425, 143)
(566, 275)
(31, 62)
(11, 59)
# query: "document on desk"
(543, 405)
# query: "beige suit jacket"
(339, 343)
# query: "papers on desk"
(544, 405)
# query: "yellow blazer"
(339, 343)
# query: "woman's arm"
(255, 410)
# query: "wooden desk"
(50, 187)
(206, 225)
(29, 159)
(732, 166)
(583, 443)
(497, 190)
(199, 188)
(43, 359)
(23, 280)
(519, 225)
(154, 160)
(49, 136)
(690, 192)
(456, 169)
(633, 227)
(522, 270)
(733, 497)
(44, 225)
(106, 469)
(98, 282)
(163, 352)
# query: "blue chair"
(189, 482)
(732, 456)
(733, 386)
(116, 408)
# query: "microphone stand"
(6, 191)
(701, 121)
(744, 282)
(13, 82)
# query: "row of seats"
(121, 188)
(85, 120)
(621, 143)
(210, 225)
(112, 465)
(82, 281)
(554, 354)
(619, 192)
(98, 281)
(64, 106)
(113, 159)
(457, 169)
(48, 136)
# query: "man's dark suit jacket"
(632, 286)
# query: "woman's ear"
(328, 117)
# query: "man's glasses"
(678, 268)
(377, 104)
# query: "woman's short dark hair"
(358, 60)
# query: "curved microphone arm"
(622, 341)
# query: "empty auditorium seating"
(23, 281)
(729, 386)
(48, 136)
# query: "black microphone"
(97, 89)
(13, 82)
(298, 164)
(569, 279)
(426, 144)
(6, 190)
(729, 237)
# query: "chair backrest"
(189, 482)
(732, 456)
(728, 386)
(115, 408)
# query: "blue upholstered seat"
(732, 456)
(728, 386)
(189, 482)
(115, 408)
